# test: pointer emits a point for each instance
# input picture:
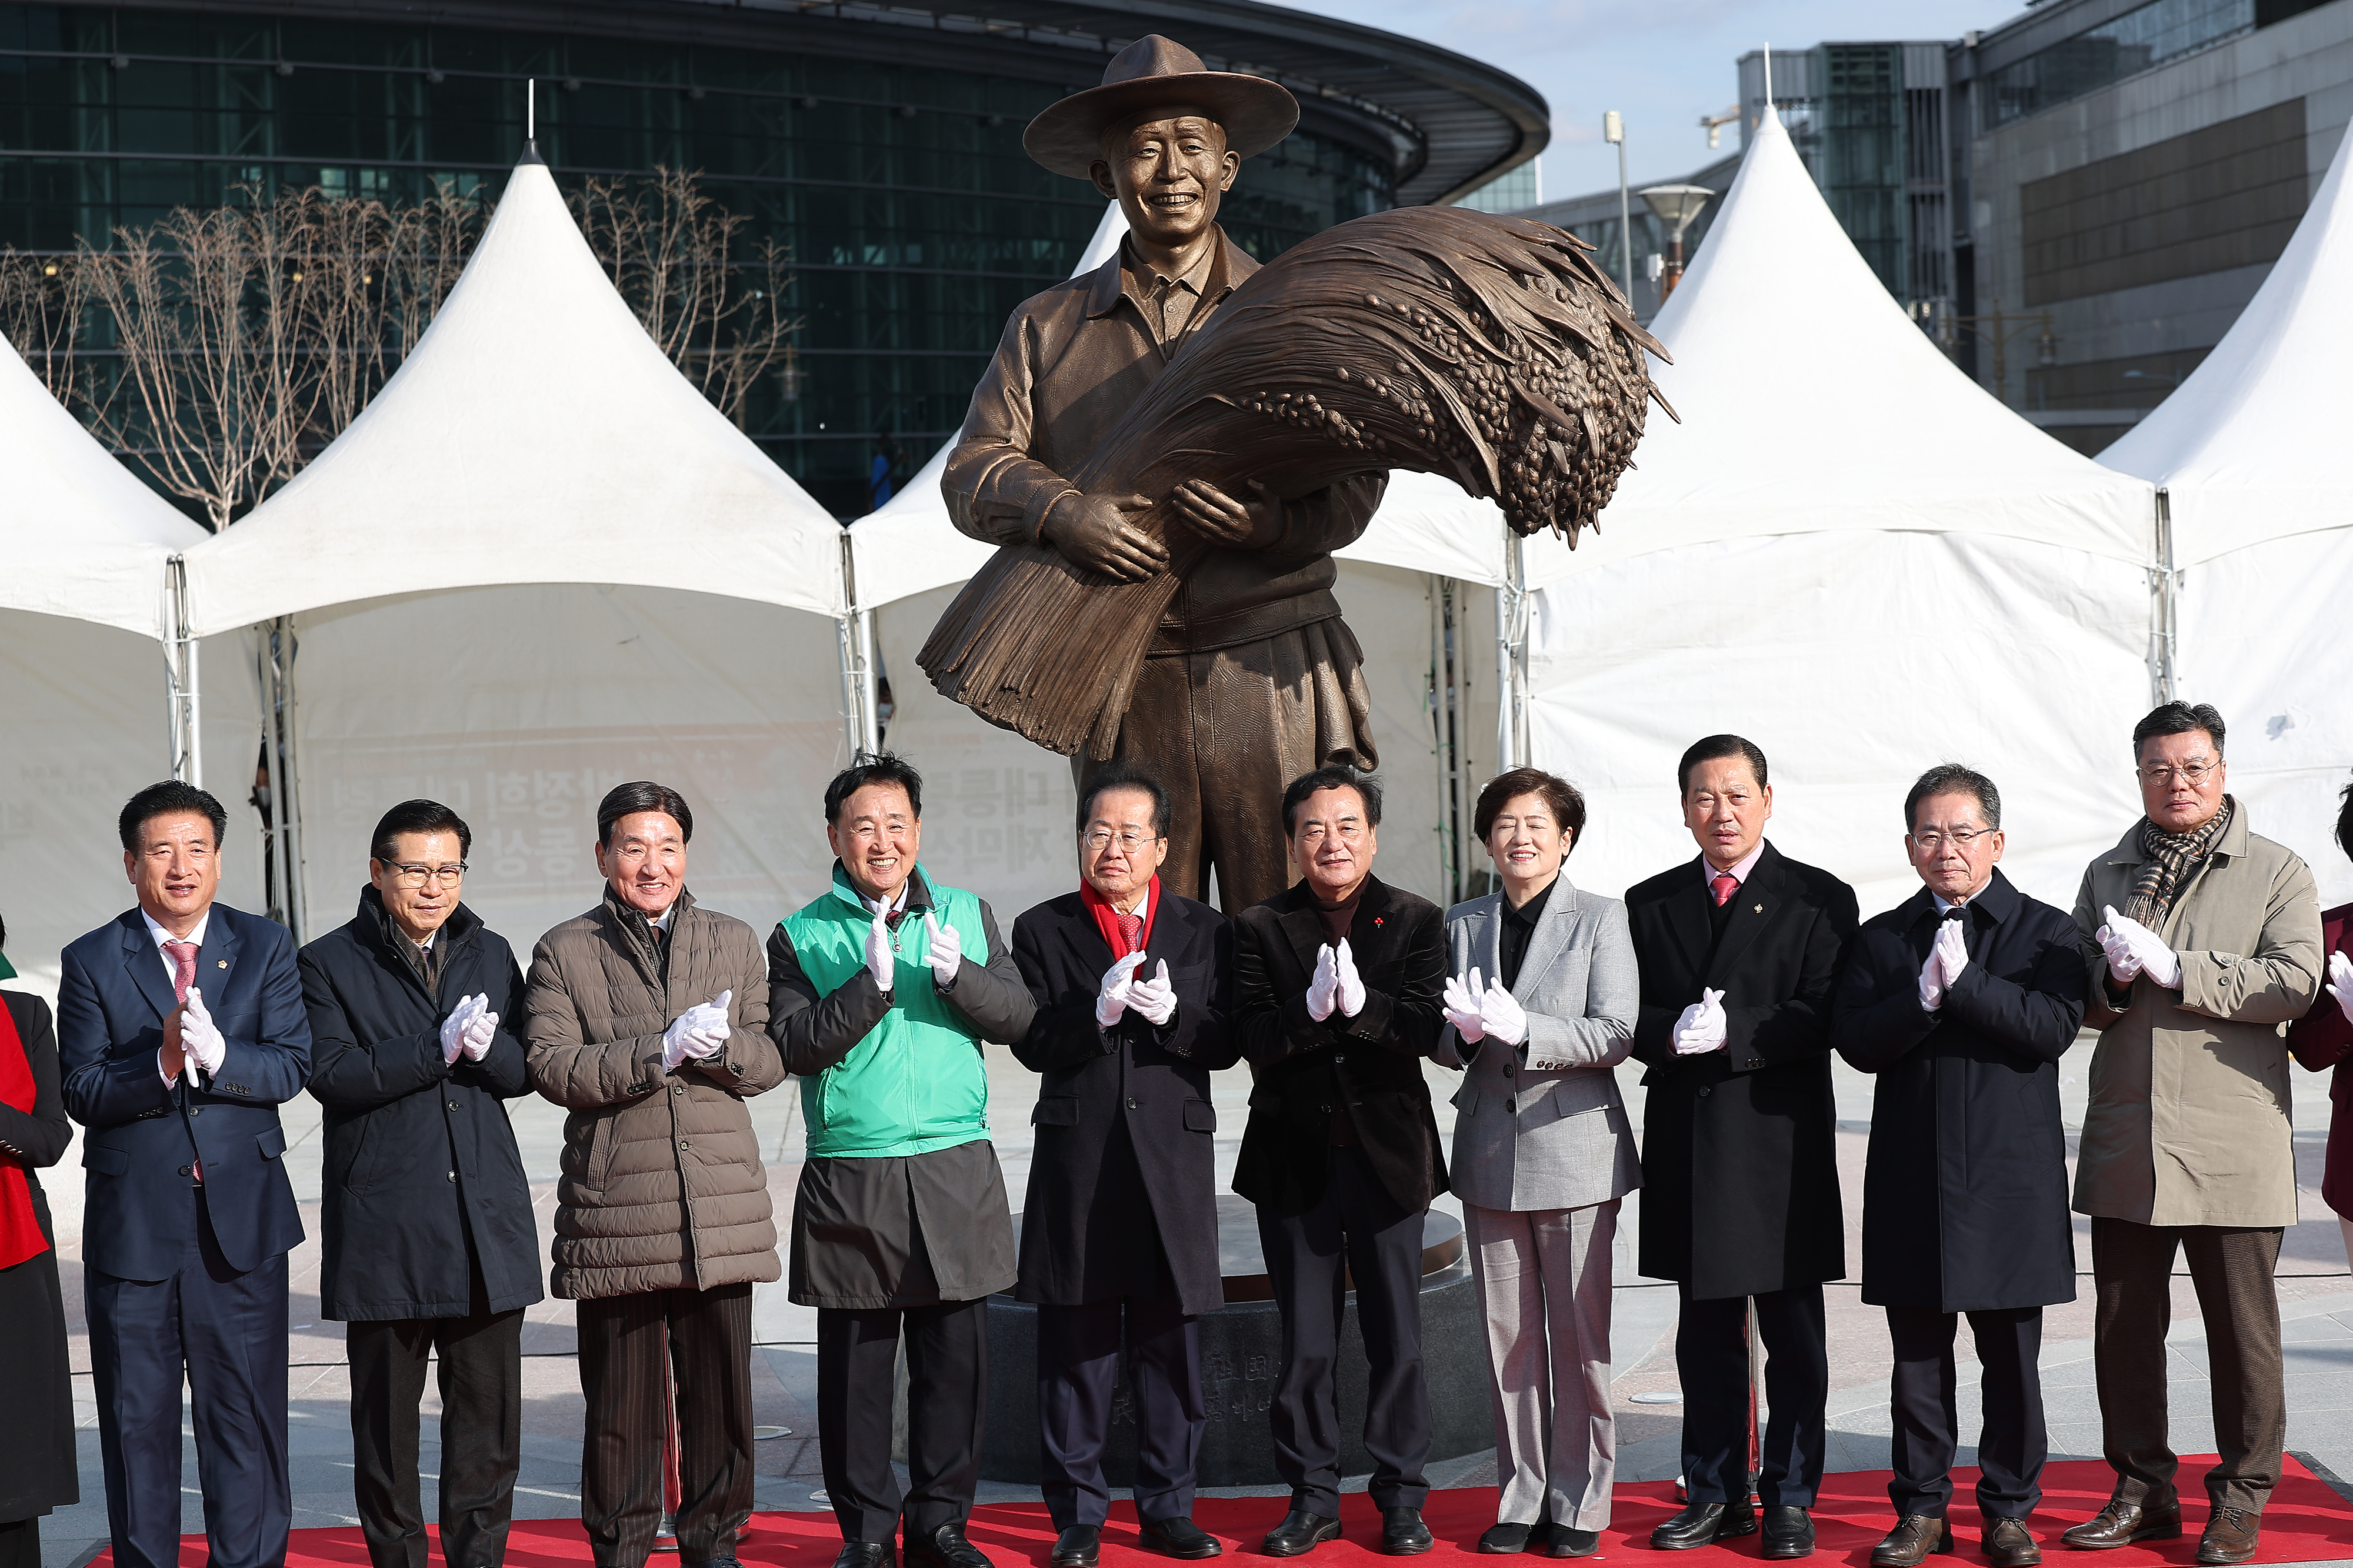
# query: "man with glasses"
(1962, 999)
(431, 1248)
(1121, 1220)
(2203, 939)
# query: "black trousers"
(633, 1349)
(226, 1333)
(1358, 1229)
(1922, 1392)
(481, 1432)
(1712, 1358)
(20, 1543)
(1078, 1358)
(947, 1402)
(2231, 1268)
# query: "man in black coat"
(1338, 989)
(1132, 986)
(429, 1245)
(1739, 952)
(1962, 999)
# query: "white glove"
(2340, 984)
(947, 950)
(1465, 1007)
(881, 962)
(1702, 1028)
(454, 1027)
(1118, 990)
(1932, 979)
(697, 1032)
(1351, 984)
(200, 1037)
(1952, 953)
(1155, 998)
(1504, 1018)
(2133, 949)
(1324, 986)
(482, 1030)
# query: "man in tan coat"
(2203, 940)
(646, 1021)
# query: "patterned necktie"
(184, 967)
(1131, 930)
(1724, 884)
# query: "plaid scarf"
(2172, 857)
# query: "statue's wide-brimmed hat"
(1152, 73)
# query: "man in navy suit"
(180, 1029)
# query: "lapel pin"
(1377, 920)
(1760, 909)
(222, 962)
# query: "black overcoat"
(1964, 1195)
(36, 1440)
(420, 1158)
(1371, 1063)
(1081, 1204)
(1740, 1191)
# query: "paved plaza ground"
(2316, 1293)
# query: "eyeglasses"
(1101, 839)
(1959, 839)
(409, 878)
(2191, 773)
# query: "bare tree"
(43, 299)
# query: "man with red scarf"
(1121, 1220)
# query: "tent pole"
(2163, 583)
(1512, 748)
(855, 628)
(1441, 726)
(289, 809)
(273, 857)
(180, 677)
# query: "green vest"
(917, 1081)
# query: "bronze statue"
(1169, 450)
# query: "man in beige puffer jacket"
(645, 1022)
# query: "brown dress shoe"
(2231, 1537)
(2009, 1544)
(2122, 1523)
(1914, 1536)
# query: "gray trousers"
(1544, 1278)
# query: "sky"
(1662, 63)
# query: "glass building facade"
(914, 220)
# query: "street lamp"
(1676, 206)
(1996, 329)
(1613, 131)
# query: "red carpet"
(2305, 1521)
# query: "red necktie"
(184, 967)
(1131, 930)
(1724, 884)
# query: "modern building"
(879, 140)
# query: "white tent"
(2249, 451)
(83, 622)
(538, 563)
(1850, 554)
(997, 809)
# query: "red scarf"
(1107, 918)
(20, 1227)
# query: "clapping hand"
(455, 1027)
(481, 1029)
(881, 962)
(1702, 1028)
(1155, 998)
(1324, 986)
(1501, 1013)
(200, 1037)
(1118, 993)
(2340, 984)
(1349, 985)
(697, 1032)
(1464, 1009)
(946, 950)
(2133, 949)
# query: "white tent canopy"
(1850, 554)
(2250, 452)
(535, 434)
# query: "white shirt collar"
(895, 905)
(661, 920)
(1143, 910)
(160, 936)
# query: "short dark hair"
(2179, 719)
(626, 800)
(874, 768)
(169, 798)
(1124, 775)
(1567, 806)
(419, 816)
(1332, 775)
(1951, 778)
(1715, 748)
(2344, 822)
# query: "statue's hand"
(1092, 533)
(1244, 525)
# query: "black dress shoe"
(1503, 1540)
(1567, 1541)
(1079, 1546)
(1788, 1531)
(1299, 1533)
(945, 1547)
(865, 1554)
(1403, 1534)
(1176, 1536)
(1703, 1523)
(2009, 1544)
(1914, 1536)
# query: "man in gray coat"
(1541, 1009)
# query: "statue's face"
(1167, 173)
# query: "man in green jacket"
(879, 995)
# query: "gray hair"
(1952, 778)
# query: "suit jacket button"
(1339, 1057)
(1131, 1102)
(1705, 1090)
(187, 1170)
(196, 1110)
(453, 1105)
(453, 1176)
(1326, 1110)
(682, 1142)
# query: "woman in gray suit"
(1540, 1010)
